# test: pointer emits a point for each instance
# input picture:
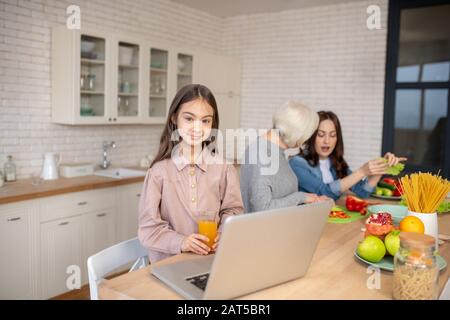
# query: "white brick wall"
(324, 56)
(25, 111)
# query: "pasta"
(424, 192)
(415, 283)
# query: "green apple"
(371, 249)
(392, 242)
(387, 192)
(379, 191)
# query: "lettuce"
(395, 169)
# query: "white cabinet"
(222, 75)
(128, 205)
(18, 251)
(99, 229)
(101, 77)
(73, 227)
(61, 247)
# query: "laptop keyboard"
(199, 281)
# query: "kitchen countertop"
(21, 190)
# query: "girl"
(321, 168)
(186, 179)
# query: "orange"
(412, 224)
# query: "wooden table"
(334, 273)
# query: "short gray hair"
(296, 123)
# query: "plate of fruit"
(382, 240)
(389, 189)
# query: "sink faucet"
(106, 163)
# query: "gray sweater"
(267, 180)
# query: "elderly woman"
(267, 181)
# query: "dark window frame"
(395, 7)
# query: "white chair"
(112, 258)
(445, 294)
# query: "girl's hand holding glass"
(195, 243)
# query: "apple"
(371, 249)
(387, 192)
(392, 242)
(379, 191)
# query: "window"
(416, 112)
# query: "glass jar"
(9, 170)
(415, 269)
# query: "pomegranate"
(379, 224)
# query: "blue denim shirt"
(310, 180)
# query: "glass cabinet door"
(128, 80)
(184, 67)
(92, 76)
(158, 82)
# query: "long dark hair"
(186, 94)
(337, 156)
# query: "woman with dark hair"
(322, 169)
(186, 178)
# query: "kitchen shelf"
(156, 70)
(91, 61)
(184, 74)
(126, 94)
(91, 92)
(128, 66)
(152, 96)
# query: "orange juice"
(208, 228)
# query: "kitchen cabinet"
(222, 75)
(61, 247)
(99, 230)
(101, 77)
(41, 238)
(18, 251)
(128, 198)
(73, 227)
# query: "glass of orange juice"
(207, 226)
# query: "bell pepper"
(356, 204)
(398, 191)
(390, 181)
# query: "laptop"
(256, 251)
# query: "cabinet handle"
(114, 119)
(101, 215)
(109, 119)
(13, 219)
(63, 223)
(82, 203)
(138, 195)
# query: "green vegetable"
(395, 169)
(444, 207)
(385, 185)
(387, 192)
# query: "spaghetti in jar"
(415, 269)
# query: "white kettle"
(50, 167)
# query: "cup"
(430, 223)
(207, 226)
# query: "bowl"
(398, 212)
(87, 46)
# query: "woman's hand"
(216, 242)
(312, 197)
(194, 243)
(376, 167)
(392, 159)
